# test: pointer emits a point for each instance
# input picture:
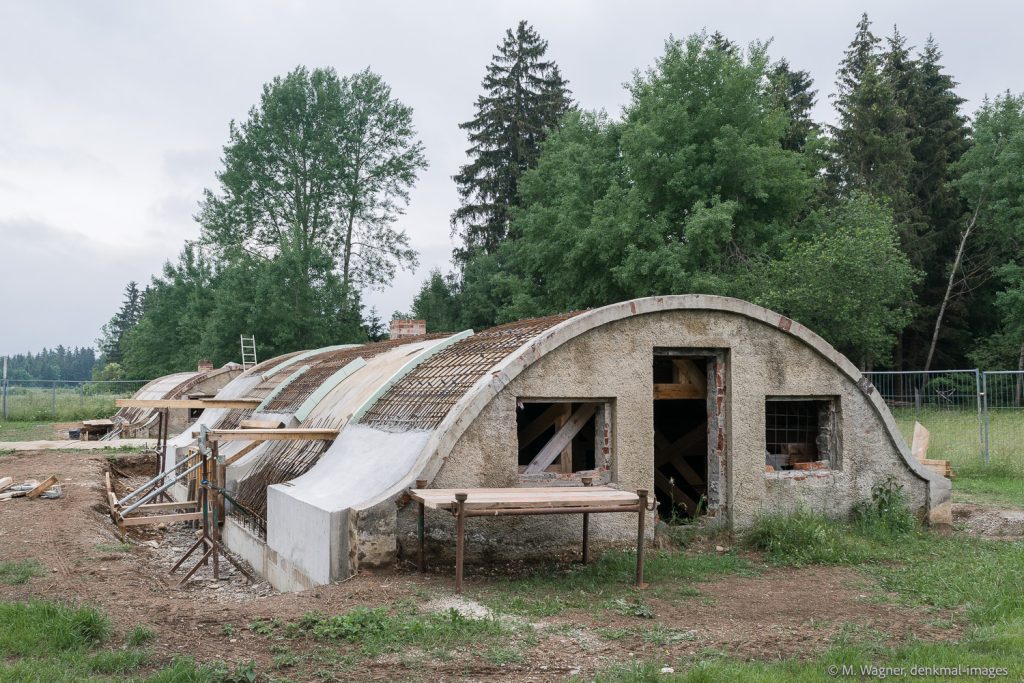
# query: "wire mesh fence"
(974, 417)
(1003, 416)
(40, 400)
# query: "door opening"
(681, 436)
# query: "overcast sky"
(113, 114)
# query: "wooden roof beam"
(296, 434)
(230, 403)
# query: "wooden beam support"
(296, 434)
(245, 451)
(231, 403)
(155, 507)
(544, 421)
(687, 372)
(562, 438)
(162, 519)
(674, 492)
(677, 391)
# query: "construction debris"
(30, 489)
(45, 486)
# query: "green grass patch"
(17, 572)
(140, 635)
(991, 485)
(14, 430)
(380, 630)
(113, 547)
(47, 641)
(607, 583)
(38, 628)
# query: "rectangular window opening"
(800, 434)
(562, 437)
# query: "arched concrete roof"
(466, 410)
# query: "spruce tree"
(795, 94)
(525, 97)
(126, 318)
(940, 140)
(871, 147)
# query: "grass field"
(27, 431)
(65, 403)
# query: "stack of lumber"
(919, 449)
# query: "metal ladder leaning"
(248, 351)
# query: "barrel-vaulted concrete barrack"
(454, 409)
(142, 421)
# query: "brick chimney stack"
(407, 328)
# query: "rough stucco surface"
(613, 361)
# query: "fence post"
(982, 447)
(53, 399)
(984, 396)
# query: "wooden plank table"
(552, 500)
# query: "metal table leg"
(421, 529)
(641, 517)
(460, 537)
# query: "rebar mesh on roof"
(326, 364)
(271, 362)
(233, 418)
(422, 399)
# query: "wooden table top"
(548, 496)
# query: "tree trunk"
(347, 258)
(949, 288)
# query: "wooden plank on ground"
(5, 482)
(162, 519)
(231, 403)
(294, 434)
(50, 481)
(562, 438)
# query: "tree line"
(60, 363)
(895, 233)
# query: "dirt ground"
(776, 614)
